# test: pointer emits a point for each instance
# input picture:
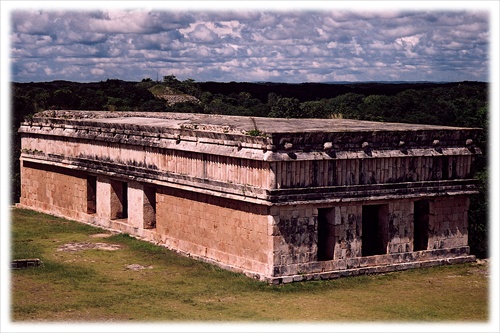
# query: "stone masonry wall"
(296, 234)
(182, 164)
(347, 231)
(227, 231)
(276, 241)
(400, 226)
(370, 170)
(295, 237)
(54, 190)
(448, 222)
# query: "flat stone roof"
(232, 124)
(251, 137)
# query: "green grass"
(95, 285)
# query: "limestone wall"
(295, 236)
(227, 231)
(370, 170)
(266, 241)
(401, 225)
(448, 222)
(305, 244)
(250, 176)
(54, 190)
(347, 231)
(186, 163)
(349, 160)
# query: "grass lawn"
(88, 276)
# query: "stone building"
(280, 200)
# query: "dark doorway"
(326, 233)
(375, 230)
(445, 166)
(119, 200)
(420, 225)
(149, 207)
(125, 200)
(91, 194)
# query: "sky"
(302, 44)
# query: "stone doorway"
(420, 225)
(326, 233)
(375, 236)
(119, 200)
(149, 208)
(91, 194)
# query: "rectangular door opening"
(125, 200)
(420, 225)
(119, 200)
(91, 194)
(149, 207)
(375, 235)
(326, 233)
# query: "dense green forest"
(452, 104)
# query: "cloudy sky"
(251, 44)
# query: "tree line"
(463, 104)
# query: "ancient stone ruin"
(280, 200)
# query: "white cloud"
(119, 21)
(294, 46)
(201, 33)
(331, 45)
(97, 71)
(408, 42)
(31, 67)
(225, 28)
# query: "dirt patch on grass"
(74, 247)
(137, 267)
(481, 267)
